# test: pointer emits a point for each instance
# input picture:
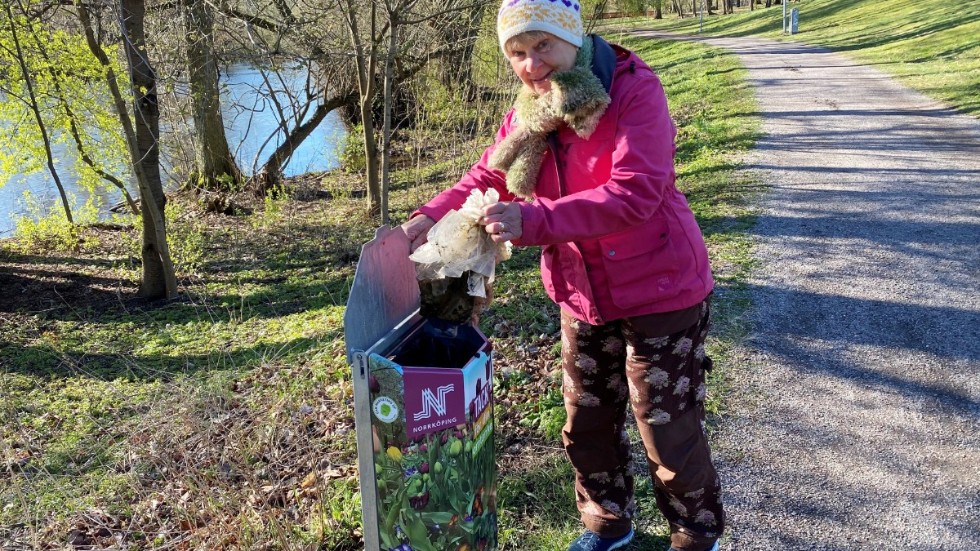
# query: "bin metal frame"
(382, 308)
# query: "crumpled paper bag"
(458, 261)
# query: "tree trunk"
(386, 127)
(36, 109)
(678, 9)
(159, 279)
(370, 158)
(269, 176)
(216, 168)
(366, 58)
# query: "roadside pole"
(784, 2)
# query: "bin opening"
(439, 343)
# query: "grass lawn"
(930, 45)
(223, 419)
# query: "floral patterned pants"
(663, 378)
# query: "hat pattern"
(562, 18)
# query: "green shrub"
(351, 154)
(185, 235)
(39, 231)
(547, 415)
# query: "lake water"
(249, 123)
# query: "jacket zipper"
(553, 146)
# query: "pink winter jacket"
(619, 239)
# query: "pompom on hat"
(562, 18)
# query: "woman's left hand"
(503, 221)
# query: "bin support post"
(365, 462)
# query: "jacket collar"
(603, 61)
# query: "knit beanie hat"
(562, 18)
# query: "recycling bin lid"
(384, 293)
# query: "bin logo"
(434, 400)
(386, 409)
(433, 403)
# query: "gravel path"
(856, 407)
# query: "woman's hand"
(417, 230)
(503, 221)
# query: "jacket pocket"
(640, 264)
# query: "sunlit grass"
(930, 45)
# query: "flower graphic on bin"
(434, 464)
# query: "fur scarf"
(577, 98)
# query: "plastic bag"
(459, 255)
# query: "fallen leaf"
(308, 481)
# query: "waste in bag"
(456, 265)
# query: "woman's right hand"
(417, 230)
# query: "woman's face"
(534, 58)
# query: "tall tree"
(366, 43)
(159, 279)
(64, 92)
(377, 30)
(315, 47)
(678, 8)
(215, 168)
(63, 95)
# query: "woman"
(584, 166)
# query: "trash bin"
(423, 405)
